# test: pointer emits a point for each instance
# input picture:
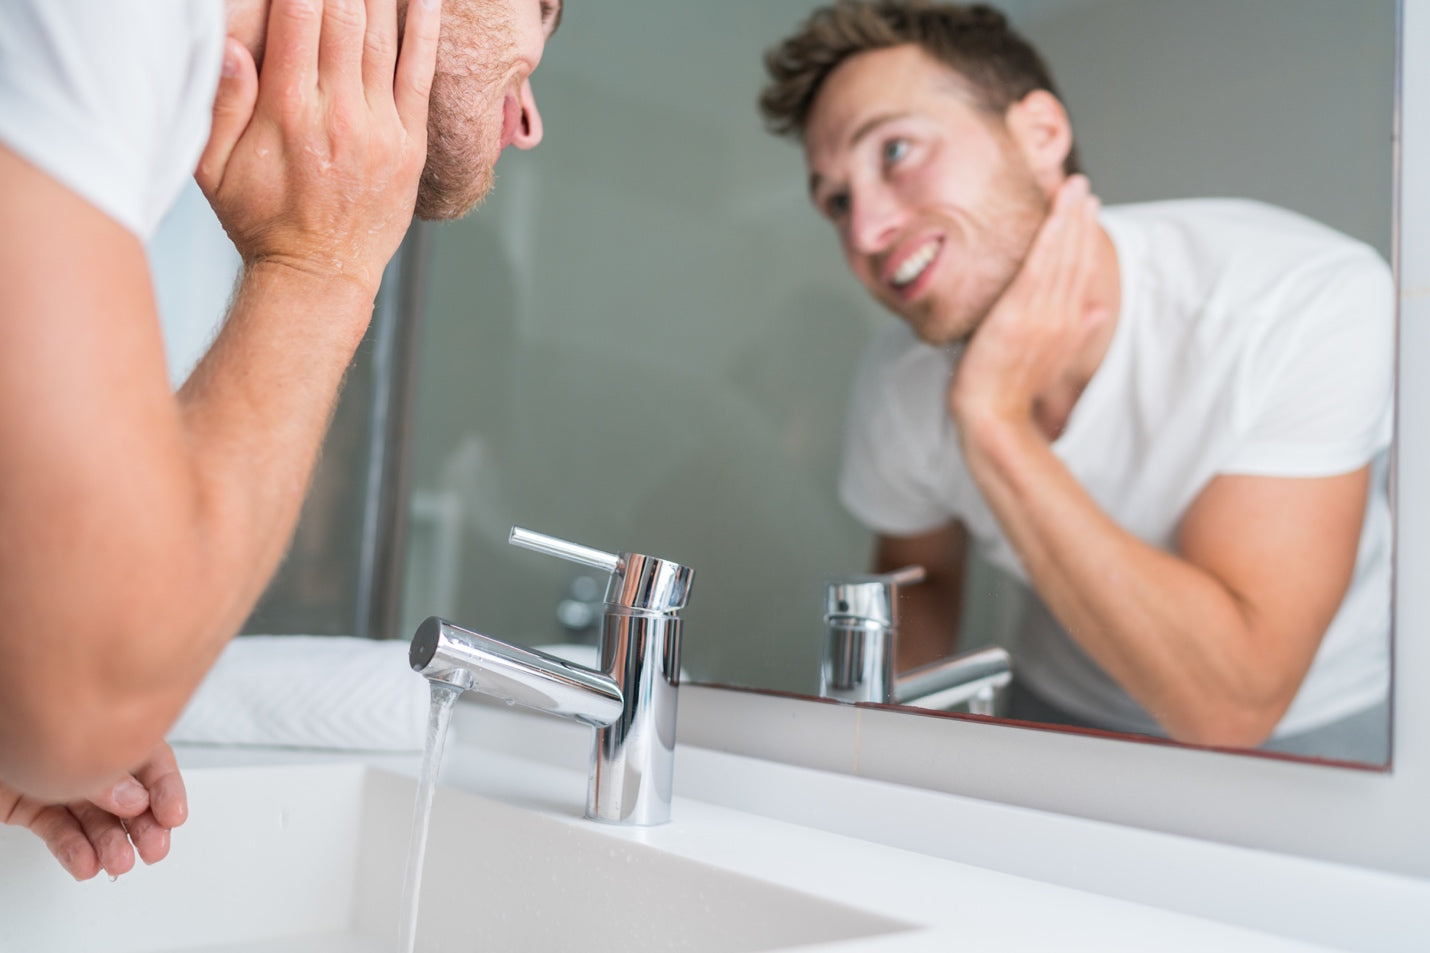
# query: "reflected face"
(482, 100)
(934, 204)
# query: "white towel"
(306, 691)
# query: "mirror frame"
(1375, 817)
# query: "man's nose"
(528, 131)
(874, 219)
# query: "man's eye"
(895, 150)
(837, 205)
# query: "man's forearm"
(148, 544)
(1172, 635)
(255, 411)
(256, 408)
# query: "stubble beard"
(1001, 239)
(476, 58)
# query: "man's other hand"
(135, 813)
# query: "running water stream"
(443, 697)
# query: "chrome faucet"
(861, 638)
(631, 702)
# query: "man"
(1170, 419)
(140, 526)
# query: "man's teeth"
(915, 264)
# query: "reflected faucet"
(630, 702)
(861, 636)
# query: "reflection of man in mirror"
(1170, 419)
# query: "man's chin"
(942, 331)
(442, 200)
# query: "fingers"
(1068, 236)
(1062, 258)
(108, 836)
(379, 56)
(233, 109)
(66, 839)
(341, 46)
(142, 808)
(290, 56)
(126, 797)
(149, 837)
(412, 84)
(168, 800)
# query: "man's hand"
(102, 833)
(1026, 345)
(314, 163)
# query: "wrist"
(993, 440)
(331, 304)
(331, 279)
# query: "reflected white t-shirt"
(111, 97)
(1251, 340)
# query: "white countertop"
(920, 857)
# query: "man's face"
(481, 97)
(934, 205)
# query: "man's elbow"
(1232, 722)
(71, 745)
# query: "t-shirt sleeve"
(1317, 385)
(884, 481)
(111, 98)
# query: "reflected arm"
(929, 611)
(1214, 638)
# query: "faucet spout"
(630, 703)
(478, 663)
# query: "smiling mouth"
(914, 265)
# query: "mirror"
(646, 339)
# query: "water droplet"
(114, 878)
(509, 701)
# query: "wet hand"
(135, 813)
(1031, 335)
(313, 163)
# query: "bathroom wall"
(643, 341)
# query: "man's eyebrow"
(861, 132)
(872, 123)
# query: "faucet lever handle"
(565, 549)
(906, 576)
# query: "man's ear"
(1042, 131)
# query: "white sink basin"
(311, 858)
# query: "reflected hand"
(136, 812)
(1029, 337)
(314, 162)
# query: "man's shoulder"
(1226, 228)
(1238, 253)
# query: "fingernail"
(130, 794)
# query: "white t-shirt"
(1251, 340)
(111, 98)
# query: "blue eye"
(894, 150)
